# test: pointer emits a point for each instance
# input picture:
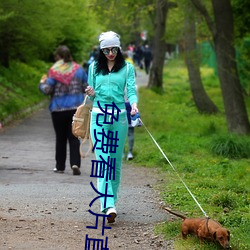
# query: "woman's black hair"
(102, 67)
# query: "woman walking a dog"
(108, 78)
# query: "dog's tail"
(175, 213)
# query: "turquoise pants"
(121, 126)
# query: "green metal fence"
(208, 58)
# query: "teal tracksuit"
(110, 89)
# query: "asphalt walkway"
(30, 190)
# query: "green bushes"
(19, 88)
(27, 35)
(231, 146)
(224, 200)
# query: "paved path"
(141, 78)
(31, 194)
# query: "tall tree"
(159, 44)
(201, 99)
(223, 38)
(242, 33)
(28, 33)
(125, 17)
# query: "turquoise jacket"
(111, 87)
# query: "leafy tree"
(242, 33)
(221, 28)
(201, 99)
(28, 33)
(175, 24)
(78, 29)
(156, 72)
(22, 35)
(241, 18)
(126, 17)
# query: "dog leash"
(174, 169)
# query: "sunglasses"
(106, 51)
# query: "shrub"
(223, 200)
(231, 146)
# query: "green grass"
(214, 164)
(19, 88)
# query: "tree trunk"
(201, 99)
(223, 38)
(159, 47)
(235, 109)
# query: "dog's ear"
(214, 235)
(228, 237)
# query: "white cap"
(109, 39)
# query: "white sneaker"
(76, 170)
(129, 156)
(58, 171)
(113, 213)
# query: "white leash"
(174, 170)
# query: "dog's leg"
(184, 235)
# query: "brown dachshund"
(204, 229)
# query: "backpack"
(81, 125)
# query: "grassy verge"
(213, 164)
(19, 88)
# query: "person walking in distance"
(131, 129)
(147, 54)
(108, 78)
(65, 83)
